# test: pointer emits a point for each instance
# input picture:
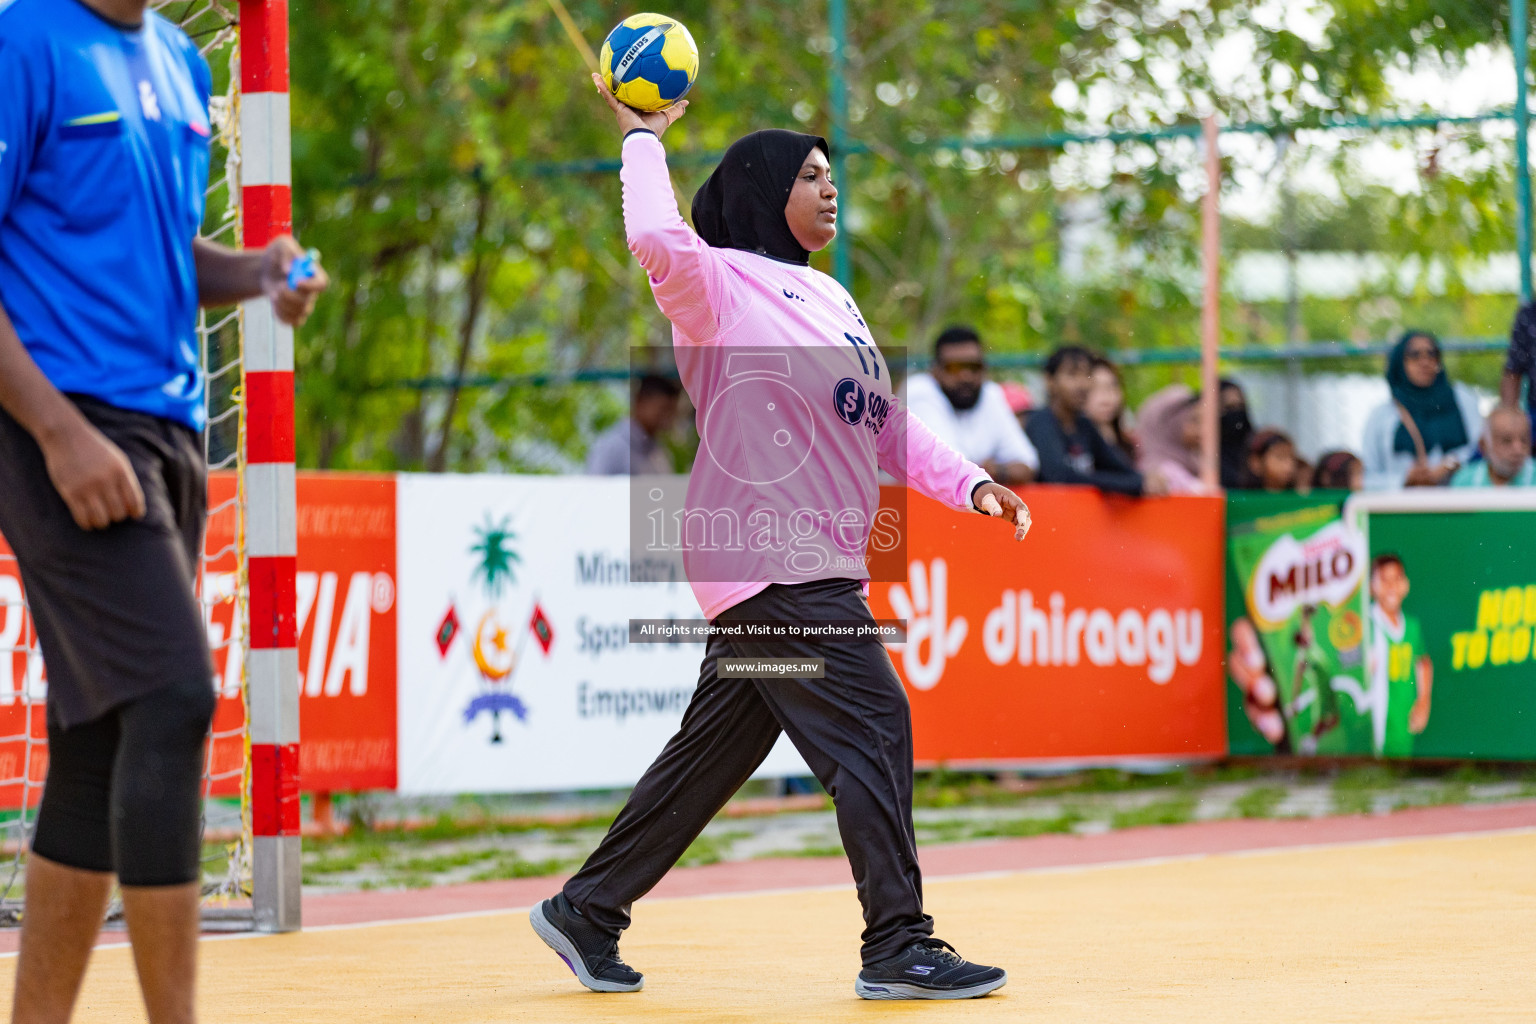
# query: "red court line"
(999, 855)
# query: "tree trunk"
(474, 297)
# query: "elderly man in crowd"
(1506, 448)
(969, 412)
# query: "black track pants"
(853, 728)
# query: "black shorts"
(116, 610)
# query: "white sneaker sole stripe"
(903, 990)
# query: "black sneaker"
(592, 956)
(928, 969)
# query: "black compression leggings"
(124, 792)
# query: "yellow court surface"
(1403, 931)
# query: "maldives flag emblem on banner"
(543, 632)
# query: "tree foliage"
(426, 138)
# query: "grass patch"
(1357, 802)
(1356, 788)
(1176, 811)
(1259, 802)
(704, 850)
(812, 851)
(516, 867)
(947, 831)
(712, 849)
(1024, 827)
(1528, 782)
(1235, 773)
(410, 881)
(1474, 774)
(1373, 776)
(343, 861)
(446, 862)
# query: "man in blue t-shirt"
(104, 136)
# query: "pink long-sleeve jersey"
(796, 409)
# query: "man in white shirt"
(969, 412)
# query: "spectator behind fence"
(1506, 448)
(1520, 363)
(633, 444)
(1168, 436)
(970, 413)
(1106, 407)
(1428, 429)
(1272, 462)
(1235, 431)
(1339, 471)
(1072, 451)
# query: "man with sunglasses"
(969, 412)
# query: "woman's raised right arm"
(688, 278)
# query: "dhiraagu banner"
(1295, 660)
(1450, 613)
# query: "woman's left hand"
(996, 500)
(656, 121)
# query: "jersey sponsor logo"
(149, 101)
(854, 405)
(850, 401)
(853, 312)
(792, 295)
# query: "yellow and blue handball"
(649, 61)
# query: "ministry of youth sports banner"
(516, 674)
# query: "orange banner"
(346, 618)
(1097, 638)
(23, 764)
(346, 625)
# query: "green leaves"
(424, 137)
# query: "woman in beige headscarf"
(1168, 440)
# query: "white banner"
(515, 671)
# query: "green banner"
(1411, 636)
(1457, 659)
(1295, 634)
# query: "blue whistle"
(303, 268)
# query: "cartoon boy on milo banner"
(1297, 653)
(1398, 668)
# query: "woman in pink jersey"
(797, 416)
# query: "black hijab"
(741, 206)
(1236, 432)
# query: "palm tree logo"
(498, 560)
(494, 656)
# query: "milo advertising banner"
(1296, 630)
(1452, 617)
(1393, 625)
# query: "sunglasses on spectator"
(963, 366)
(1427, 352)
